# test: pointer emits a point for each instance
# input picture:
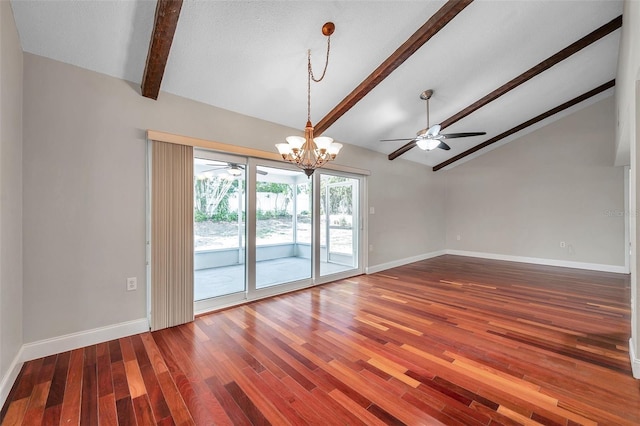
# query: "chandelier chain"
(310, 153)
(310, 75)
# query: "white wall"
(628, 113)
(84, 191)
(10, 197)
(555, 184)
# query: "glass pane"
(339, 224)
(303, 213)
(281, 256)
(219, 228)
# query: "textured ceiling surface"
(250, 57)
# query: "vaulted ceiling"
(502, 67)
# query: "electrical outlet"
(458, 237)
(132, 284)
(370, 247)
(372, 210)
(563, 244)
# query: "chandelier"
(309, 153)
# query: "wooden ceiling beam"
(526, 124)
(585, 41)
(164, 27)
(441, 18)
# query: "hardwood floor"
(450, 340)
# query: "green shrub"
(200, 217)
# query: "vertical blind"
(171, 235)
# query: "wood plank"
(352, 407)
(103, 363)
(120, 382)
(89, 400)
(179, 410)
(126, 414)
(52, 415)
(73, 391)
(430, 28)
(29, 379)
(202, 405)
(164, 27)
(107, 410)
(228, 403)
(35, 410)
(154, 392)
(552, 60)
(15, 412)
(142, 408)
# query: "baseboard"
(635, 362)
(10, 377)
(80, 339)
(539, 261)
(400, 262)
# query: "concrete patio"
(223, 280)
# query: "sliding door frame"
(260, 293)
(362, 239)
(231, 299)
(255, 157)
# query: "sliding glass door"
(263, 228)
(219, 228)
(283, 227)
(339, 223)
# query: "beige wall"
(627, 132)
(10, 191)
(555, 184)
(84, 191)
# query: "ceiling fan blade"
(462, 135)
(444, 146)
(433, 130)
(396, 140)
(215, 169)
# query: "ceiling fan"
(234, 169)
(431, 138)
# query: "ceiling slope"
(585, 41)
(441, 18)
(250, 57)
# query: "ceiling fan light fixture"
(427, 144)
(227, 176)
(309, 153)
(235, 171)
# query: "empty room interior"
(319, 212)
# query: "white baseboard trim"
(10, 377)
(635, 362)
(539, 261)
(400, 262)
(80, 339)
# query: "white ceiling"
(250, 57)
